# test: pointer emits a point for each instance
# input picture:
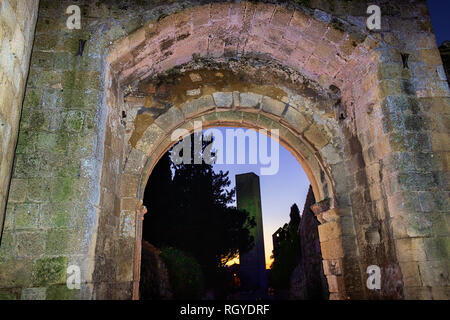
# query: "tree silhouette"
(287, 252)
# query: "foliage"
(287, 252)
(154, 282)
(185, 274)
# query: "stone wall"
(371, 131)
(17, 24)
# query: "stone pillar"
(331, 243)
(17, 24)
(252, 263)
(141, 210)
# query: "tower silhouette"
(253, 263)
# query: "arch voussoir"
(314, 48)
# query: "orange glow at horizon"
(268, 260)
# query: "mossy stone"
(61, 292)
(50, 271)
(63, 188)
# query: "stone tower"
(252, 263)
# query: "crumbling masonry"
(370, 129)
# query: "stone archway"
(256, 119)
(334, 102)
(376, 126)
(315, 87)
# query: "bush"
(185, 274)
(154, 283)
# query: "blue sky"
(439, 11)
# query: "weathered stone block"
(150, 138)
(411, 274)
(296, 119)
(335, 283)
(74, 121)
(273, 106)
(250, 118)
(8, 248)
(281, 17)
(223, 99)
(332, 267)
(324, 50)
(26, 216)
(431, 56)
(334, 35)
(61, 292)
(34, 294)
(135, 161)
(250, 100)
(8, 222)
(171, 119)
(434, 273)
(200, 16)
(332, 249)
(16, 273)
(49, 271)
(9, 294)
(128, 204)
(127, 224)
(317, 137)
(194, 92)
(439, 293)
(125, 259)
(30, 244)
(198, 106)
(129, 185)
(418, 293)
(18, 190)
(57, 242)
(330, 231)
(410, 249)
(437, 248)
(233, 116)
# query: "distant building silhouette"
(277, 236)
(308, 281)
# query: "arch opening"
(321, 182)
(158, 231)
